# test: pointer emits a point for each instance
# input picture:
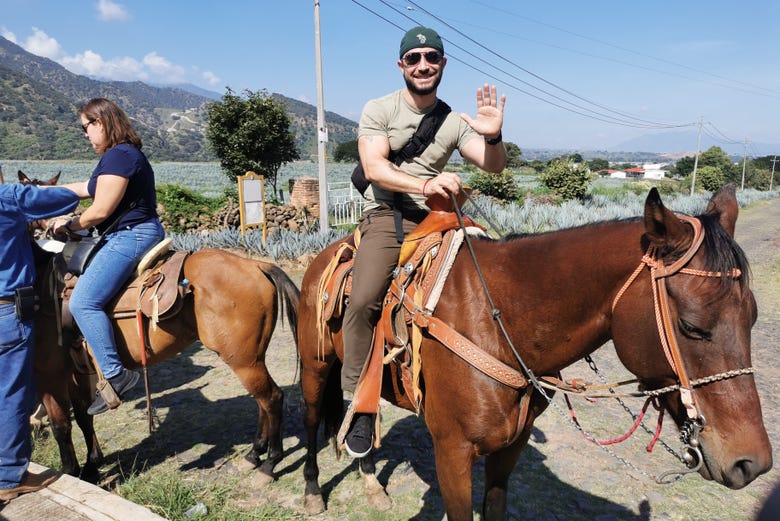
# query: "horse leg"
(260, 443)
(324, 402)
(58, 409)
(454, 464)
(270, 400)
(377, 497)
(81, 397)
(498, 468)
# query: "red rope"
(631, 431)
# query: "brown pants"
(376, 258)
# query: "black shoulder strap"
(424, 134)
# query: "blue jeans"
(110, 268)
(17, 396)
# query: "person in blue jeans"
(20, 204)
(122, 189)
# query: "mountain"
(679, 144)
(38, 100)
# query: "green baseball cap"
(420, 37)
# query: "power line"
(767, 92)
(583, 110)
(540, 78)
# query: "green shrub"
(178, 202)
(710, 178)
(566, 179)
(501, 186)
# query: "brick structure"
(305, 193)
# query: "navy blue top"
(127, 161)
(20, 204)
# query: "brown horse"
(232, 310)
(560, 296)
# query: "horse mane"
(517, 236)
(722, 253)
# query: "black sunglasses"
(86, 126)
(413, 58)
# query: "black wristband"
(496, 140)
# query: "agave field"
(204, 178)
(500, 219)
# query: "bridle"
(658, 275)
(694, 422)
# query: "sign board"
(251, 200)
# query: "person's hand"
(59, 228)
(490, 112)
(443, 184)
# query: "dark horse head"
(25, 180)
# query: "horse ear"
(724, 205)
(662, 227)
(54, 180)
(23, 178)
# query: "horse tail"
(288, 294)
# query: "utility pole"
(322, 131)
(696, 160)
(772, 177)
(744, 163)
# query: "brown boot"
(30, 483)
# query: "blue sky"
(576, 74)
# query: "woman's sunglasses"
(413, 58)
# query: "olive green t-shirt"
(393, 117)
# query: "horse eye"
(694, 332)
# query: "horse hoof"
(313, 505)
(379, 500)
(243, 465)
(260, 480)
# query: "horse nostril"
(742, 473)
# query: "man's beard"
(422, 92)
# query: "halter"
(658, 275)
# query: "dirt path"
(560, 476)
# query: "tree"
(251, 133)
(597, 164)
(711, 178)
(513, 154)
(566, 179)
(683, 167)
(347, 151)
(537, 165)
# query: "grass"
(170, 493)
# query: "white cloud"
(211, 78)
(41, 44)
(90, 63)
(109, 11)
(164, 70)
(152, 68)
(8, 35)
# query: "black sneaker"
(121, 383)
(360, 437)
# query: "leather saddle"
(407, 311)
(157, 290)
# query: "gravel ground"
(207, 421)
